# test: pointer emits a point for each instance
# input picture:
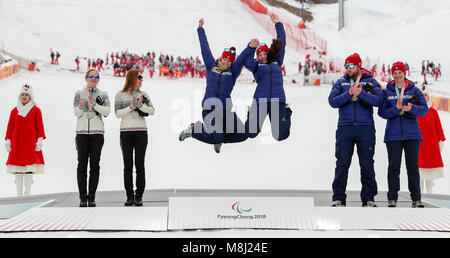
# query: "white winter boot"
(28, 182)
(19, 184)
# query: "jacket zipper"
(218, 86)
(401, 126)
(354, 105)
(270, 99)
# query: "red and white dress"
(25, 127)
(430, 159)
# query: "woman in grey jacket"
(132, 105)
(90, 105)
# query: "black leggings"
(89, 148)
(137, 141)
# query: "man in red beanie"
(399, 66)
(355, 94)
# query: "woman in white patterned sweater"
(132, 105)
(90, 105)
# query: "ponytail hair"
(274, 51)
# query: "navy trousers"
(223, 126)
(346, 138)
(395, 150)
(279, 115)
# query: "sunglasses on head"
(351, 66)
(94, 76)
(140, 77)
(229, 50)
(262, 44)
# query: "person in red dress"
(430, 160)
(24, 141)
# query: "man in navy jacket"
(355, 94)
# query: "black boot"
(138, 201)
(83, 203)
(91, 203)
(130, 201)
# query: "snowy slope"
(90, 28)
(94, 28)
(410, 30)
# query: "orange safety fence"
(9, 70)
(297, 38)
(256, 6)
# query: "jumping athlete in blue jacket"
(269, 97)
(355, 94)
(220, 124)
(403, 103)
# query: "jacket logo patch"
(405, 97)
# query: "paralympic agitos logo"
(239, 210)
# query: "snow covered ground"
(305, 161)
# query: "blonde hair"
(89, 71)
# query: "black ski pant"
(134, 141)
(89, 149)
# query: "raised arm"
(208, 58)
(281, 35)
(249, 51)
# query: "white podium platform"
(88, 219)
(180, 211)
(242, 212)
(405, 219)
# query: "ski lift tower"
(341, 14)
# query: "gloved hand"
(39, 144)
(8, 145)
(441, 145)
(99, 101)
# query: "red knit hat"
(229, 53)
(262, 47)
(354, 59)
(398, 66)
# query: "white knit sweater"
(90, 121)
(131, 120)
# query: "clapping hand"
(81, 103)
(140, 101)
(200, 23)
(407, 108)
(91, 98)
